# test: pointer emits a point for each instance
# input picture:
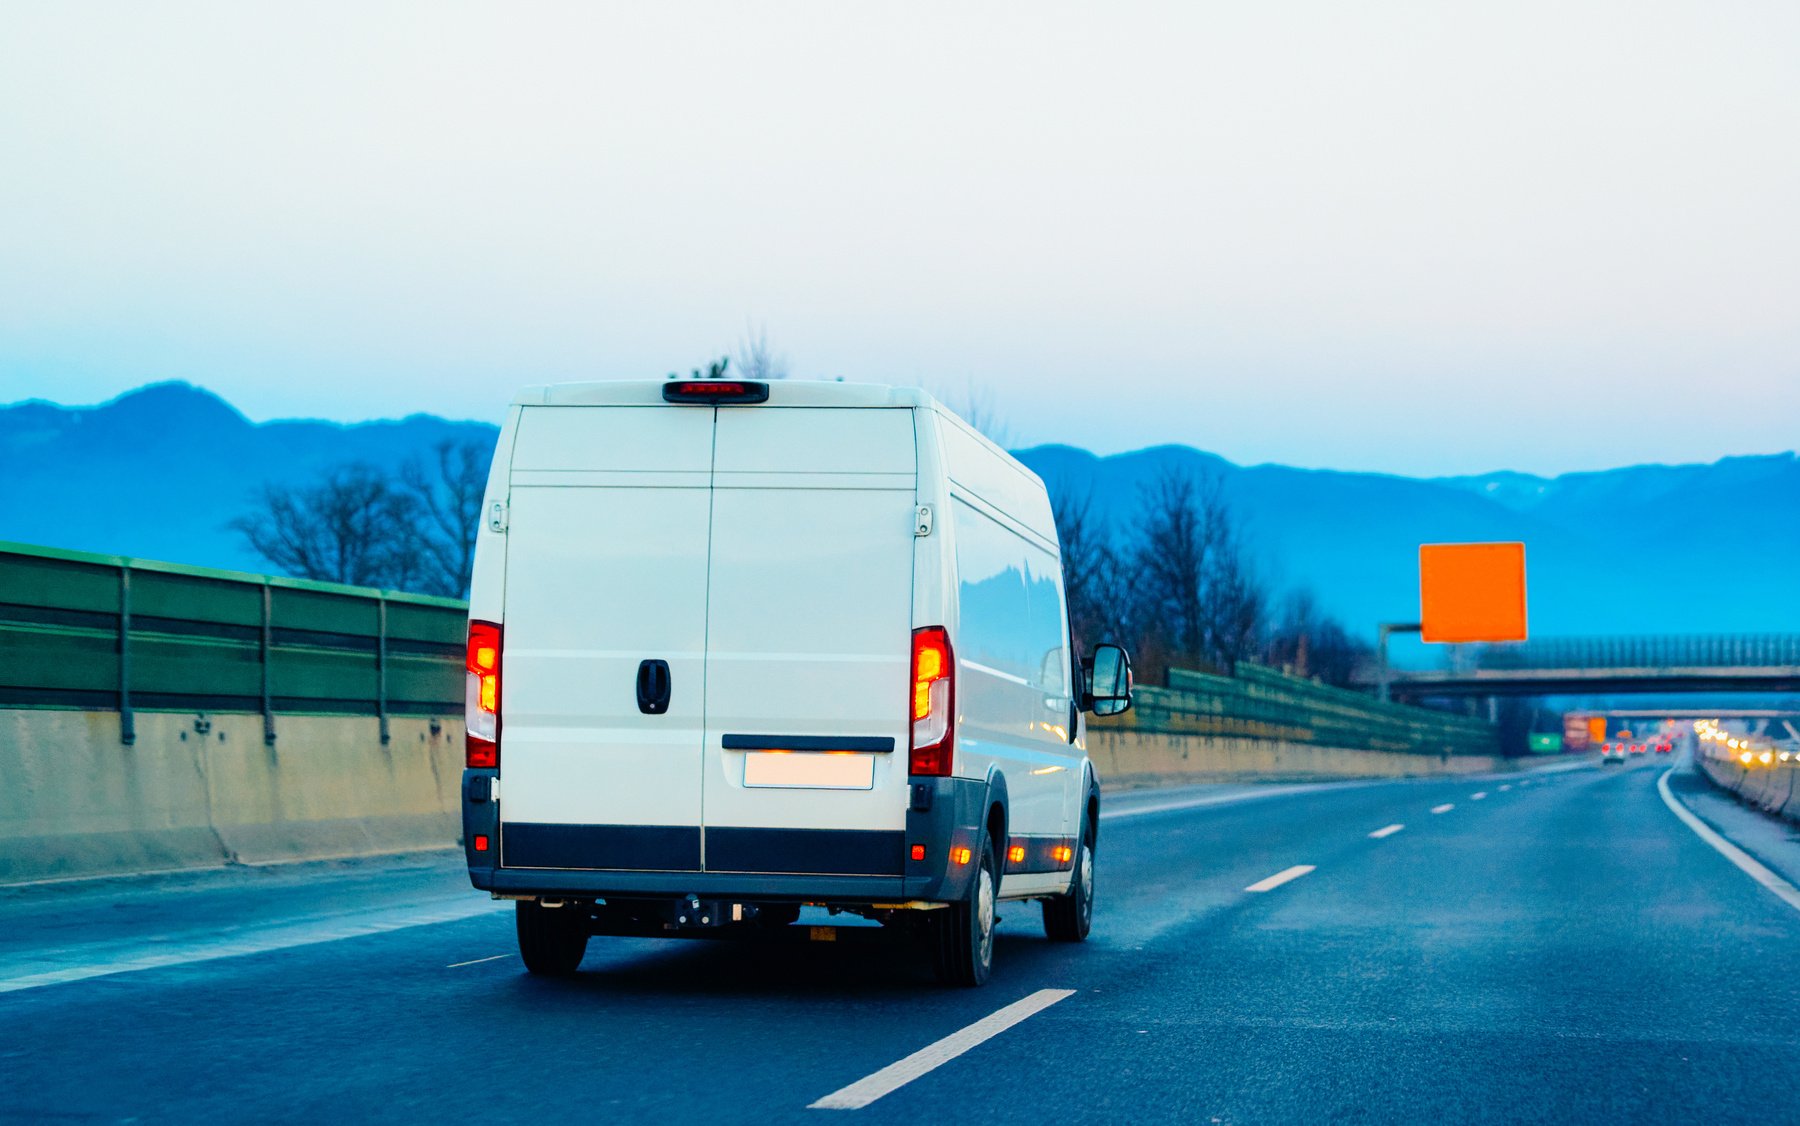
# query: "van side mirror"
(1107, 674)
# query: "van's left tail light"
(482, 712)
(933, 703)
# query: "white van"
(736, 648)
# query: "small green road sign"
(1547, 744)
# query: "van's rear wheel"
(551, 939)
(1068, 917)
(965, 930)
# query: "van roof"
(782, 392)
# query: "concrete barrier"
(1770, 788)
(200, 791)
(1129, 759)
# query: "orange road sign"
(1597, 729)
(1472, 592)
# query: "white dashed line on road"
(933, 1056)
(1281, 877)
(1385, 831)
(476, 961)
(1445, 808)
(1478, 796)
(1506, 787)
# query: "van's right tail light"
(933, 703)
(481, 715)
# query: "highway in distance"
(1545, 947)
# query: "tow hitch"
(693, 912)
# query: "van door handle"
(653, 685)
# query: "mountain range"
(160, 471)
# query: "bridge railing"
(1693, 651)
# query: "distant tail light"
(933, 703)
(481, 714)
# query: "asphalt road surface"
(1557, 947)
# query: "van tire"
(1069, 917)
(552, 940)
(965, 930)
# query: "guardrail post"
(381, 630)
(127, 718)
(268, 710)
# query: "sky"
(1420, 238)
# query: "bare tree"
(975, 404)
(1311, 642)
(1235, 601)
(756, 360)
(353, 526)
(447, 496)
(1095, 582)
(714, 370)
(1170, 565)
(1200, 601)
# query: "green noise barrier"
(106, 633)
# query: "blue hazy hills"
(158, 473)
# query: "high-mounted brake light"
(711, 391)
(481, 714)
(933, 703)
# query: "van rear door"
(809, 640)
(606, 576)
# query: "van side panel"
(809, 639)
(1015, 699)
(606, 569)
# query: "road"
(1559, 949)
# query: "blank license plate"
(805, 769)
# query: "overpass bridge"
(1610, 665)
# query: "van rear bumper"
(944, 815)
(600, 885)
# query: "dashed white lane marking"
(476, 961)
(933, 1056)
(1478, 796)
(1445, 808)
(1749, 864)
(1386, 831)
(1506, 787)
(1281, 877)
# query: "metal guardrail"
(1696, 651)
(107, 633)
(1261, 703)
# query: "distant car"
(1612, 753)
(1664, 747)
(1638, 748)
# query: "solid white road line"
(209, 947)
(1386, 831)
(1445, 808)
(1749, 864)
(1281, 877)
(1229, 799)
(476, 961)
(1478, 796)
(933, 1056)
